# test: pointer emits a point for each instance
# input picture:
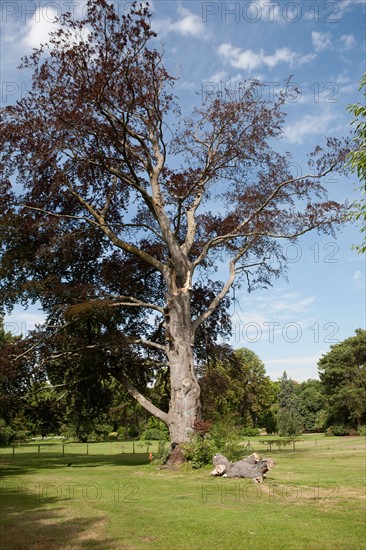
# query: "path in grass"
(313, 499)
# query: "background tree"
(342, 373)
(268, 417)
(5, 337)
(219, 391)
(42, 411)
(289, 421)
(357, 160)
(114, 210)
(15, 369)
(256, 394)
(235, 385)
(9, 382)
(312, 405)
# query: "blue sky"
(214, 46)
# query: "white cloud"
(321, 41)
(309, 125)
(348, 41)
(249, 60)
(358, 275)
(292, 304)
(332, 12)
(344, 5)
(189, 24)
(39, 26)
(279, 307)
(219, 76)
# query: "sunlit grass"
(313, 499)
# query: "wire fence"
(90, 448)
(34, 449)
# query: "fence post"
(63, 449)
(133, 447)
(87, 448)
(13, 451)
(39, 448)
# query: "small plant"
(340, 429)
(200, 450)
(337, 430)
(250, 432)
(222, 438)
(7, 434)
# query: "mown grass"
(313, 499)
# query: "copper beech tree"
(115, 202)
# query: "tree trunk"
(185, 405)
(252, 467)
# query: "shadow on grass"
(23, 463)
(32, 521)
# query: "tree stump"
(252, 467)
(175, 458)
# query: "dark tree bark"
(252, 467)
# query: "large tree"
(234, 383)
(311, 405)
(289, 421)
(123, 206)
(343, 375)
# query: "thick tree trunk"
(252, 467)
(185, 406)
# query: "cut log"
(252, 467)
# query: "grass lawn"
(109, 499)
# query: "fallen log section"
(252, 467)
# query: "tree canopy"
(343, 374)
(357, 160)
(116, 208)
(234, 384)
(289, 421)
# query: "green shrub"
(7, 434)
(200, 450)
(362, 430)
(249, 432)
(340, 429)
(222, 438)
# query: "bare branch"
(134, 302)
(238, 231)
(117, 241)
(144, 402)
(221, 295)
(148, 343)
